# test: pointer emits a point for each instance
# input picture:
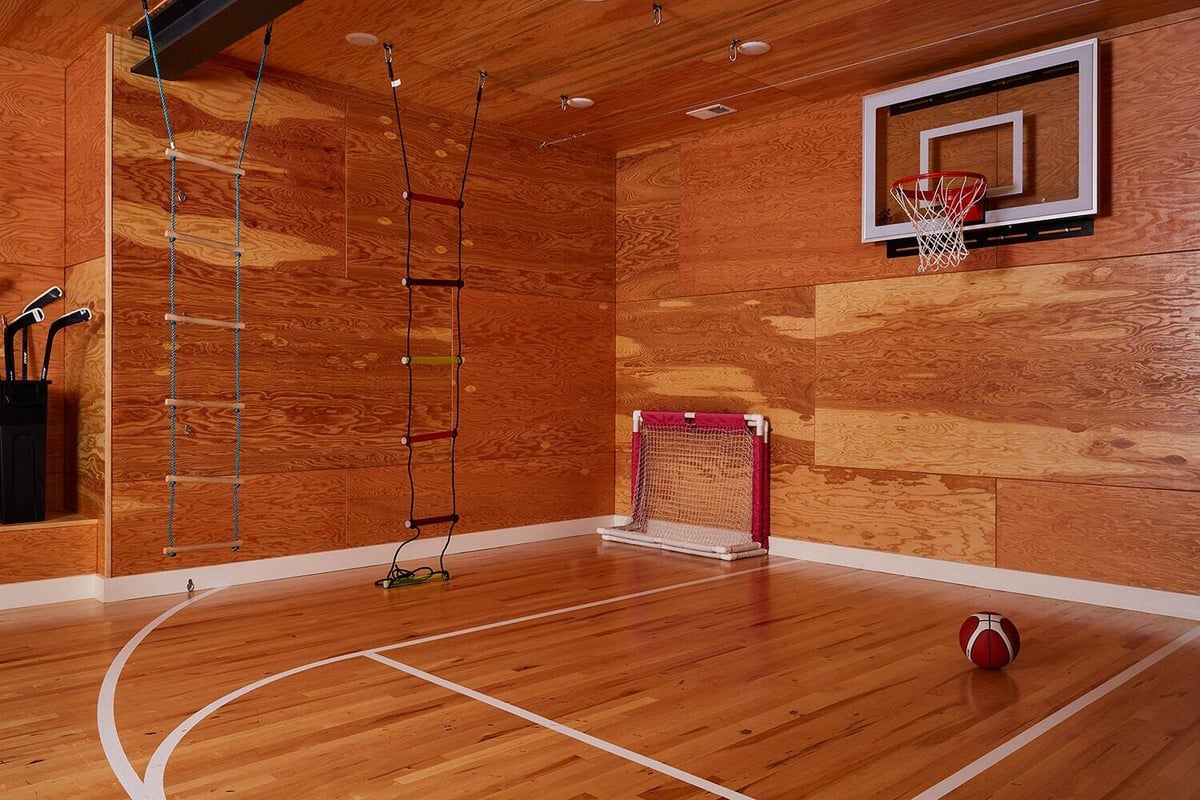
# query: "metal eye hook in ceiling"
(657, 14)
(733, 49)
(563, 98)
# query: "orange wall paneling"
(325, 393)
(1040, 418)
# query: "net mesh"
(937, 204)
(695, 485)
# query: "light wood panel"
(742, 352)
(1134, 537)
(87, 85)
(934, 516)
(62, 30)
(1071, 372)
(62, 546)
(31, 161)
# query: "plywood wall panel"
(743, 352)
(648, 198)
(1076, 372)
(57, 548)
(492, 493)
(1135, 537)
(1149, 143)
(281, 514)
(31, 160)
(774, 206)
(535, 220)
(934, 516)
(87, 84)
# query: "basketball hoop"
(939, 203)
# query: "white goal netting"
(695, 490)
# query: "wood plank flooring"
(773, 679)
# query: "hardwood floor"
(772, 679)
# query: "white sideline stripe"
(155, 788)
(989, 760)
(558, 727)
(106, 722)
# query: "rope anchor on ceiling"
(657, 14)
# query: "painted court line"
(557, 727)
(106, 722)
(154, 786)
(989, 760)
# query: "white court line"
(106, 722)
(989, 760)
(155, 788)
(558, 727)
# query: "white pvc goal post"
(700, 484)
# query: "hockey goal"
(700, 484)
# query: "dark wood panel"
(1074, 372)
(1135, 537)
(280, 515)
(743, 352)
(934, 516)
(87, 85)
(535, 220)
(492, 493)
(31, 161)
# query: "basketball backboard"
(1028, 124)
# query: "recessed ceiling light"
(581, 102)
(755, 48)
(361, 39)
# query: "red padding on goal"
(706, 419)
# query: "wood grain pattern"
(648, 201)
(743, 352)
(31, 161)
(934, 516)
(493, 493)
(60, 547)
(1072, 372)
(1134, 537)
(87, 86)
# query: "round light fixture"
(360, 39)
(580, 102)
(755, 48)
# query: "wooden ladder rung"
(406, 360)
(429, 198)
(203, 242)
(416, 523)
(428, 437)
(204, 479)
(177, 403)
(450, 282)
(192, 548)
(179, 155)
(212, 323)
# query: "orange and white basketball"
(989, 640)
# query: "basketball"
(989, 640)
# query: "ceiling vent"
(708, 112)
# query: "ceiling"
(641, 75)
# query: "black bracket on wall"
(189, 32)
(1040, 231)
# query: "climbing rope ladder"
(175, 319)
(397, 575)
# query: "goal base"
(729, 552)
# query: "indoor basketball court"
(598, 399)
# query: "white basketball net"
(937, 204)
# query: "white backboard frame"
(1087, 201)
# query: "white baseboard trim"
(1133, 598)
(108, 590)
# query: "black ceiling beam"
(189, 32)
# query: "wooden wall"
(325, 393)
(1035, 409)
